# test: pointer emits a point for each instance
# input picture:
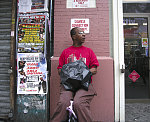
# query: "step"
(5, 15)
(4, 37)
(5, 20)
(5, 26)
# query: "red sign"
(134, 76)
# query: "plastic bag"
(75, 75)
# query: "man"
(81, 98)
(42, 84)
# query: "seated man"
(81, 98)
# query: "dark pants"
(82, 100)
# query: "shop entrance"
(136, 23)
(136, 55)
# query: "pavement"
(137, 112)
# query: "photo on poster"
(32, 73)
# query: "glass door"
(136, 20)
(136, 55)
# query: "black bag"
(75, 75)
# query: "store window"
(136, 7)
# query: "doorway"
(136, 55)
(136, 21)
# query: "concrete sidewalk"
(137, 112)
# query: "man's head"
(77, 35)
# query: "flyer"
(31, 73)
(31, 33)
(144, 42)
(30, 6)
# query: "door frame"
(118, 55)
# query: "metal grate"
(5, 29)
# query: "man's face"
(80, 36)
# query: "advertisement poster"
(29, 6)
(31, 73)
(144, 42)
(80, 3)
(82, 23)
(31, 33)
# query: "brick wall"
(97, 39)
(102, 106)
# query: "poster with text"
(31, 73)
(29, 6)
(144, 42)
(31, 33)
(80, 3)
(82, 23)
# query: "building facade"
(116, 30)
(66, 16)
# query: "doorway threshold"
(137, 101)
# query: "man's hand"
(93, 70)
(59, 70)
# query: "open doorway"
(136, 56)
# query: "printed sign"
(144, 42)
(82, 23)
(31, 33)
(134, 76)
(80, 3)
(32, 73)
(32, 6)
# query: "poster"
(29, 6)
(31, 73)
(31, 33)
(80, 3)
(82, 23)
(144, 42)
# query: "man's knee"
(79, 104)
(64, 103)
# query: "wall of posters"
(31, 33)
(32, 73)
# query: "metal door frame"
(118, 55)
(12, 69)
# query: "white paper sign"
(82, 23)
(80, 3)
(25, 5)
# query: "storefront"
(132, 100)
(136, 47)
(116, 30)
